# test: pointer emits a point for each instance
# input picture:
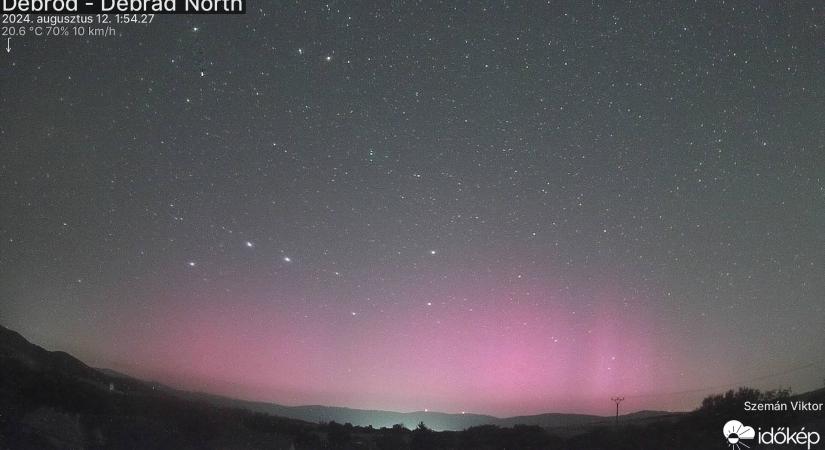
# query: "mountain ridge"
(51, 400)
(13, 344)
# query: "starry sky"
(490, 206)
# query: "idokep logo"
(735, 432)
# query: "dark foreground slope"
(702, 429)
(50, 400)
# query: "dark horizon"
(63, 370)
(211, 388)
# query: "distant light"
(192, 263)
(287, 259)
(328, 58)
(433, 252)
(354, 313)
(429, 303)
(195, 29)
(426, 410)
(249, 244)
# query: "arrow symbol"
(8, 45)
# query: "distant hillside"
(316, 413)
(434, 420)
(438, 421)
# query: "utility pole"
(617, 400)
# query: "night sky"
(487, 206)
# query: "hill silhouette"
(436, 421)
(51, 400)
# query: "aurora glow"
(503, 208)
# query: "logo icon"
(735, 432)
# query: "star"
(366, 167)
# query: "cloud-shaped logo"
(735, 431)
